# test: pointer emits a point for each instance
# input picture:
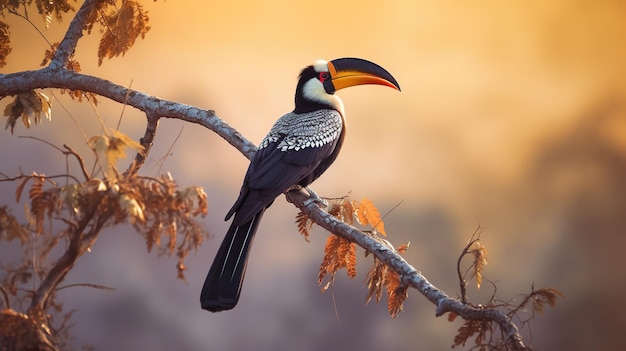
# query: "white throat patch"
(314, 91)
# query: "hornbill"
(297, 150)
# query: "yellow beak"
(347, 72)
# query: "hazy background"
(511, 114)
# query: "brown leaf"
(403, 247)
(70, 194)
(49, 54)
(123, 28)
(20, 188)
(304, 224)
(109, 148)
(348, 211)
(351, 259)
(330, 251)
(5, 43)
(169, 214)
(376, 280)
(396, 293)
(194, 199)
(480, 261)
(38, 202)
(545, 296)
(57, 8)
(27, 105)
(10, 228)
(132, 207)
(469, 328)
(452, 316)
(338, 253)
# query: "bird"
(299, 147)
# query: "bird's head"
(318, 82)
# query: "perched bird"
(297, 150)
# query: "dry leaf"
(10, 228)
(480, 261)
(110, 148)
(132, 208)
(27, 105)
(123, 27)
(368, 215)
(57, 8)
(376, 280)
(304, 224)
(5, 43)
(70, 195)
(338, 253)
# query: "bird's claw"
(314, 198)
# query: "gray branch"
(48, 77)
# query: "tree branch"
(61, 78)
(73, 34)
(408, 275)
(64, 263)
(146, 141)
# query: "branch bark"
(48, 77)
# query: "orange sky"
(510, 112)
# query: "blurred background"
(511, 115)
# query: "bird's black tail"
(222, 285)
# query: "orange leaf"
(396, 293)
(368, 214)
(403, 248)
(338, 253)
(304, 224)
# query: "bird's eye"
(323, 76)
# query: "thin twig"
(88, 285)
(5, 296)
(146, 141)
(119, 121)
(69, 151)
(25, 17)
(47, 178)
(41, 140)
(161, 161)
(462, 282)
(57, 100)
(81, 163)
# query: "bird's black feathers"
(297, 150)
(222, 285)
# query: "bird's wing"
(292, 150)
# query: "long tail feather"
(222, 285)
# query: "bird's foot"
(313, 197)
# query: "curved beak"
(347, 72)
